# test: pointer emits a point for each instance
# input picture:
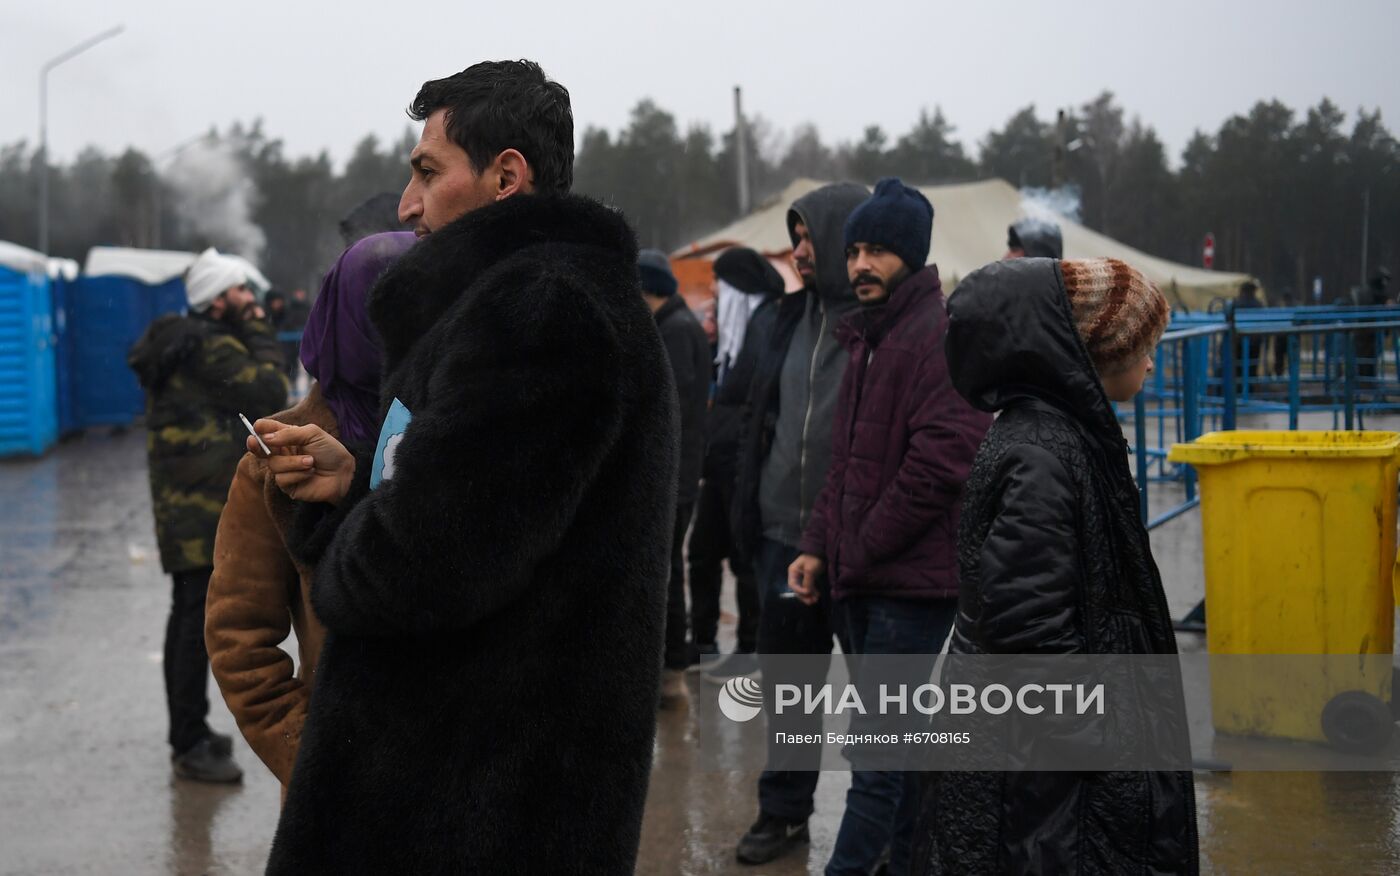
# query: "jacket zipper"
(806, 423)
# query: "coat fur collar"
(415, 293)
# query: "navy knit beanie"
(655, 269)
(896, 217)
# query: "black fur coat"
(486, 699)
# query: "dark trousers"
(710, 546)
(677, 655)
(291, 358)
(786, 626)
(1367, 345)
(882, 806)
(187, 661)
(1280, 355)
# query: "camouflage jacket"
(198, 374)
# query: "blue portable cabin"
(121, 291)
(28, 407)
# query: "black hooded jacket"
(1054, 559)
(486, 698)
(725, 423)
(800, 326)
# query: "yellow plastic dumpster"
(1299, 549)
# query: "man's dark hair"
(499, 105)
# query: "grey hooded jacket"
(808, 364)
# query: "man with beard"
(199, 371)
(882, 529)
(783, 457)
(492, 576)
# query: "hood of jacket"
(166, 343)
(824, 212)
(429, 279)
(1011, 336)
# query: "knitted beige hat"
(1118, 312)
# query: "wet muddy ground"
(85, 784)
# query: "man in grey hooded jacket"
(784, 454)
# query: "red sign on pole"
(1208, 252)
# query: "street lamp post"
(44, 126)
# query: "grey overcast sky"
(322, 75)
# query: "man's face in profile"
(804, 256)
(443, 185)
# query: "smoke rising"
(214, 196)
(1051, 205)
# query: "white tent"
(156, 266)
(969, 230)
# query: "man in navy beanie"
(688, 350)
(884, 527)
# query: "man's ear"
(513, 176)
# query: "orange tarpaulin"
(696, 278)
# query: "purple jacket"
(902, 445)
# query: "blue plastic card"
(395, 424)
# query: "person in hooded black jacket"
(747, 288)
(1054, 559)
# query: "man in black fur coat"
(494, 582)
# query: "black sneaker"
(702, 657)
(769, 838)
(203, 764)
(739, 664)
(220, 743)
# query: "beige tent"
(969, 230)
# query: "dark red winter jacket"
(903, 441)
